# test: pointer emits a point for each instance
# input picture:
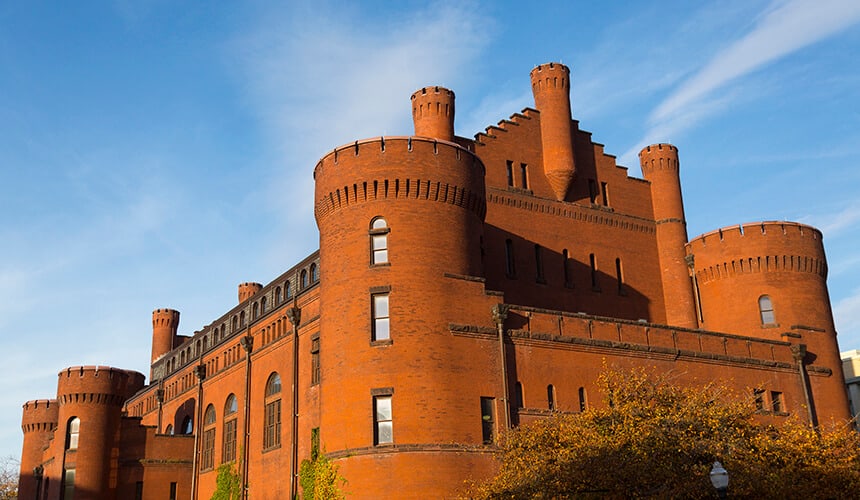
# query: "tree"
(654, 438)
(9, 470)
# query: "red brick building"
(461, 286)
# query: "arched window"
(278, 295)
(315, 275)
(288, 290)
(207, 458)
(272, 422)
(235, 324)
(550, 397)
(242, 319)
(303, 280)
(169, 430)
(73, 430)
(230, 410)
(379, 241)
(255, 311)
(765, 307)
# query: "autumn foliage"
(654, 438)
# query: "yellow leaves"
(654, 438)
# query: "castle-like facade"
(461, 287)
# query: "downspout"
(200, 371)
(500, 314)
(247, 343)
(159, 396)
(295, 316)
(799, 353)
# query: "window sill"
(272, 448)
(381, 264)
(770, 325)
(383, 342)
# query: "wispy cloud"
(834, 224)
(784, 28)
(846, 313)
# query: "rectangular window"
(379, 306)
(315, 360)
(593, 261)
(138, 490)
(380, 248)
(758, 397)
(509, 170)
(619, 276)
(605, 192)
(69, 483)
(207, 460)
(229, 441)
(383, 420)
(172, 491)
(315, 443)
(776, 401)
(488, 420)
(272, 428)
(524, 175)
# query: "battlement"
(165, 318)
(248, 290)
(40, 415)
(771, 246)
(550, 76)
(97, 384)
(433, 112)
(658, 157)
(434, 90)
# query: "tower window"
(604, 190)
(381, 320)
(488, 420)
(565, 258)
(272, 419)
(593, 261)
(383, 420)
(550, 396)
(379, 241)
(582, 402)
(72, 433)
(619, 276)
(592, 190)
(509, 171)
(524, 175)
(765, 307)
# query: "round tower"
(433, 113)
(165, 323)
(660, 167)
(248, 290)
(551, 89)
(38, 422)
(769, 280)
(400, 221)
(90, 406)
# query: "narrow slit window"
(582, 401)
(592, 190)
(315, 360)
(550, 397)
(73, 433)
(565, 257)
(518, 395)
(593, 261)
(509, 171)
(510, 269)
(539, 277)
(524, 175)
(619, 276)
(604, 191)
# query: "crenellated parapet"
(97, 385)
(761, 247)
(399, 168)
(40, 415)
(248, 290)
(433, 113)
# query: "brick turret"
(38, 422)
(433, 113)
(94, 395)
(551, 89)
(660, 167)
(165, 323)
(769, 279)
(247, 290)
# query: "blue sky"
(156, 154)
